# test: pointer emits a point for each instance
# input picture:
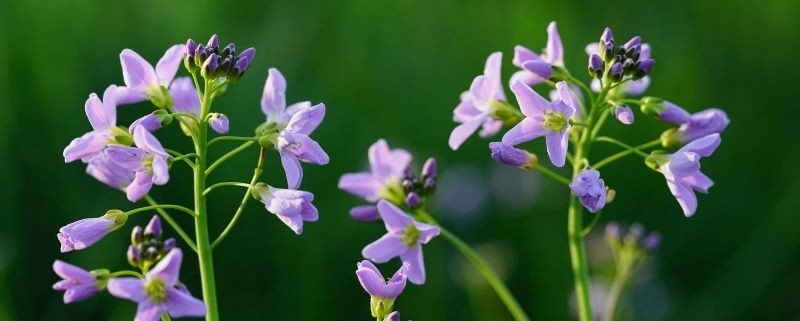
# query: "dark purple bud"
(627, 65)
(606, 51)
(191, 46)
(429, 185)
(643, 68)
(137, 235)
(394, 316)
(200, 55)
(615, 73)
(134, 255)
(596, 66)
(651, 242)
(606, 36)
(224, 67)
(408, 185)
(151, 254)
(408, 173)
(153, 228)
(635, 41)
(365, 213)
(213, 43)
(209, 66)
(634, 52)
(248, 54)
(229, 50)
(412, 200)
(169, 244)
(512, 156)
(429, 168)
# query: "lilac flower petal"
(180, 304)
(160, 170)
(149, 311)
(361, 184)
(684, 164)
(674, 114)
(393, 217)
(127, 288)
(102, 115)
(525, 77)
(294, 173)
(149, 122)
(303, 147)
(309, 212)
(386, 163)
(370, 278)
(530, 102)
(557, 147)
(394, 316)
(80, 292)
(638, 87)
(145, 140)
(293, 109)
(416, 265)
(71, 272)
(591, 48)
(135, 70)
(129, 158)
(481, 92)
(539, 67)
(168, 269)
(699, 182)
(704, 146)
(528, 129)
(273, 101)
(295, 222)
(140, 186)
(466, 109)
(365, 213)
(396, 283)
(168, 65)
(384, 249)
(306, 120)
(706, 122)
(623, 114)
(523, 54)
(426, 232)
(464, 130)
(86, 146)
(554, 50)
(566, 95)
(508, 155)
(131, 95)
(685, 197)
(490, 127)
(184, 96)
(493, 78)
(83, 233)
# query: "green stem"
(204, 252)
(217, 185)
(228, 155)
(161, 206)
(245, 199)
(552, 174)
(491, 277)
(233, 138)
(592, 224)
(172, 223)
(612, 158)
(126, 273)
(612, 300)
(580, 267)
(165, 317)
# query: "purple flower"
(590, 189)
(665, 111)
(387, 168)
(365, 213)
(83, 233)
(404, 239)
(159, 291)
(508, 155)
(703, 123)
(373, 282)
(184, 96)
(633, 87)
(103, 117)
(149, 122)
(148, 161)
(77, 284)
(538, 65)
(475, 108)
(682, 171)
(292, 207)
(142, 81)
(295, 123)
(108, 172)
(219, 123)
(623, 113)
(543, 118)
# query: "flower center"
(156, 290)
(147, 161)
(555, 121)
(410, 235)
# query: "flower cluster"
(630, 246)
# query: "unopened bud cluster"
(416, 187)
(214, 62)
(615, 62)
(147, 245)
(631, 246)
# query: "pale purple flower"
(159, 291)
(682, 171)
(148, 160)
(373, 282)
(102, 168)
(590, 189)
(665, 111)
(149, 122)
(77, 284)
(103, 117)
(142, 81)
(543, 118)
(292, 207)
(387, 169)
(295, 123)
(219, 123)
(365, 213)
(703, 123)
(184, 96)
(508, 155)
(404, 239)
(623, 113)
(475, 108)
(534, 66)
(84, 233)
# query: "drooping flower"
(682, 171)
(102, 168)
(665, 111)
(83, 233)
(537, 68)
(365, 213)
(475, 109)
(77, 284)
(103, 117)
(404, 238)
(387, 169)
(590, 189)
(292, 207)
(516, 157)
(703, 123)
(543, 118)
(159, 291)
(148, 160)
(153, 121)
(293, 124)
(382, 292)
(142, 81)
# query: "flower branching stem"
(171, 222)
(245, 199)
(228, 155)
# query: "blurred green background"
(395, 69)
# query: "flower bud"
(611, 194)
(633, 52)
(200, 55)
(429, 186)
(219, 123)
(188, 60)
(213, 43)
(627, 65)
(151, 253)
(541, 68)
(613, 232)
(153, 228)
(169, 244)
(429, 168)
(512, 156)
(412, 200)
(607, 36)
(596, 66)
(134, 255)
(408, 185)
(643, 68)
(651, 242)
(665, 110)
(229, 50)
(137, 236)
(615, 72)
(606, 51)
(590, 190)
(623, 113)
(209, 66)
(365, 213)
(394, 316)
(635, 41)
